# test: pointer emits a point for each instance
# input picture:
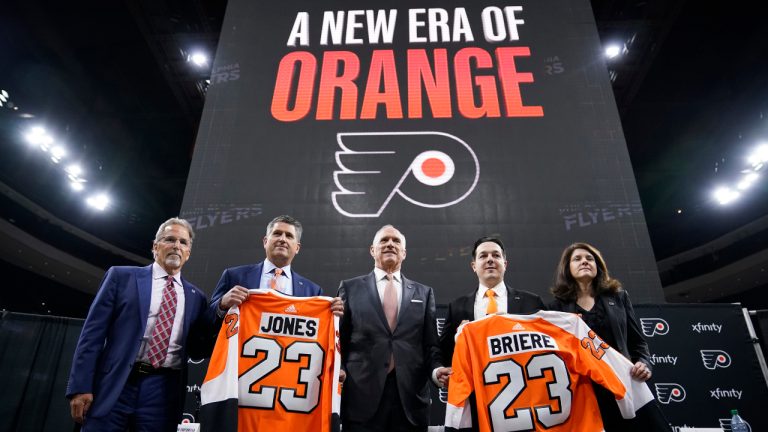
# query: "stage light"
(198, 58)
(613, 51)
(758, 157)
(98, 201)
(37, 136)
(725, 195)
(76, 186)
(747, 181)
(73, 170)
(58, 153)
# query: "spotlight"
(758, 157)
(58, 153)
(198, 58)
(747, 181)
(76, 186)
(98, 201)
(37, 136)
(725, 195)
(73, 170)
(613, 51)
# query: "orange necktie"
(492, 306)
(273, 282)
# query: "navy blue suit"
(249, 276)
(112, 334)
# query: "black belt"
(147, 369)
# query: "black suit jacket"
(463, 308)
(367, 343)
(625, 334)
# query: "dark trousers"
(389, 417)
(649, 418)
(148, 403)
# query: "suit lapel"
(609, 305)
(407, 295)
(253, 278)
(299, 290)
(144, 290)
(189, 298)
(373, 298)
(468, 308)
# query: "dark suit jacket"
(625, 334)
(367, 343)
(112, 333)
(249, 276)
(463, 308)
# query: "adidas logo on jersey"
(291, 309)
(518, 327)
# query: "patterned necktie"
(161, 334)
(492, 306)
(389, 304)
(273, 282)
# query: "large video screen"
(449, 120)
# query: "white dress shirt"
(481, 301)
(173, 358)
(284, 283)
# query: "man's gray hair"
(175, 221)
(376, 236)
(290, 220)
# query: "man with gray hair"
(129, 367)
(389, 345)
(281, 244)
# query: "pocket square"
(417, 301)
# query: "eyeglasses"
(171, 240)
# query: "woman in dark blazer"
(584, 286)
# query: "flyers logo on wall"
(654, 326)
(714, 359)
(419, 167)
(669, 392)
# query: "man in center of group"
(389, 344)
(489, 262)
(281, 244)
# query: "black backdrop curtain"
(35, 357)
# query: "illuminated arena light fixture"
(756, 160)
(38, 137)
(98, 201)
(725, 195)
(6, 102)
(198, 58)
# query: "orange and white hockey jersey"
(275, 367)
(535, 372)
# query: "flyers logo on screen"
(714, 359)
(669, 392)
(427, 169)
(654, 326)
(725, 425)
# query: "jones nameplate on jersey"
(289, 325)
(520, 342)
